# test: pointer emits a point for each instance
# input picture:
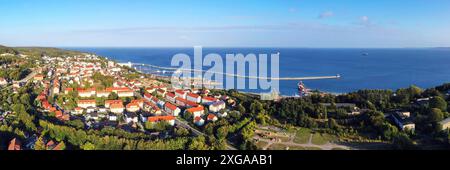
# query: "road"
(185, 124)
(24, 80)
(31, 75)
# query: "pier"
(136, 65)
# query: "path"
(327, 146)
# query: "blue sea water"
(380, 69)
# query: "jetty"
(138, 66)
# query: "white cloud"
(364, 19)
(326, 14)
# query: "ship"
(302, 90)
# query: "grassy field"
(302, 136)
(303, 148)
(322, 138)
(278, 146)
(261, 144)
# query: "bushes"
(82, 140)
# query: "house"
(51, 145)
(404, 114)
(181, 94)
(17, 84)
(102, 110)
(155, 100)
(171, 97)
(139, 102)
(117, 108)
(117, 89)
(180, 101)
(133, 107)
(131, 117)
(212, 117)
(445, 124)
(38, 77)
(90, 109)
(68, 90)
(127, 93)
(3, 81)
(86, 103)
(56, 89)
(217, 106)
(161, 103)
(148, 96)
(194, 97)
(92, 116)
(150, 90)
(58, 113)
(108, 103)
(46, 105)
(403, 121)
(168, 119)
(103, 93)
(78, 110)
(118, 84)
(85, 93)
(112, 117)
(171, 109)
(208, 99)
(161, 92)
(14, 144)
(196, 111)
(191, 104)
(199, 121)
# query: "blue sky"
(236, 23)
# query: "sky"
(226, 23)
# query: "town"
(56, 99)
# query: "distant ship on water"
(365, 54)
(302, 90)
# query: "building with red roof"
(117, 108)
(86, 103)
(133, 107)
(171, 97)
(168, 119)
(199, 121)
(208, 99)
(212, 117)
(14, 144)
(194, 97)
(181, 93)
(109, 102)
(67, 90)
(196, 111)
(171, 109)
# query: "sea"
(358, 68)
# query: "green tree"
(438, 102)
(88, 146)
(436, 115)
(222, 132)
(39, 145)
(198, 143)
(402, 142)
(181, 131)
(240, 108)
